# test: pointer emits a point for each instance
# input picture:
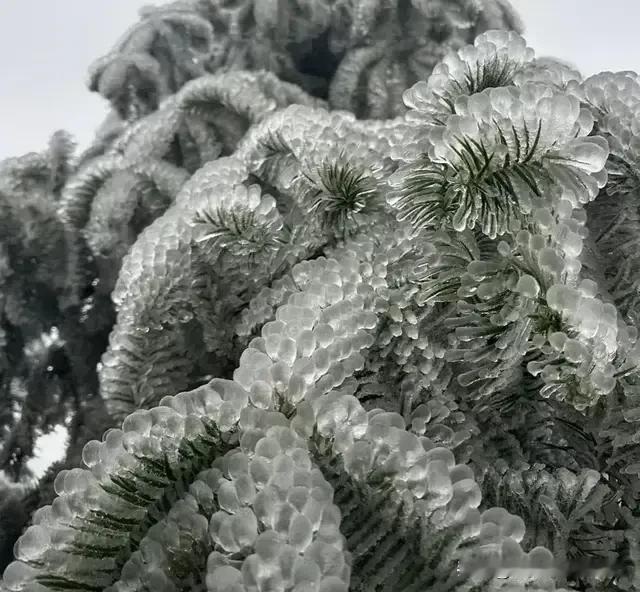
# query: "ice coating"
(393, 354)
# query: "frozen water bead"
(586, 365)
(550, 72)
(528, 286)
(165, 247)
(240, 200)
(434, 414)
(517, 566)
(262, 306)
(223, 174)
(151, 433)
(155, 251)
(505, 561)
(309, 285)
(315, 338)
(498, 523)
(32, 545)
(287, 571)
(20, 577)
(608, 89)
(341, 417)
(379, 441)
(235, 486)
(499, 119)
(559, 117)
(157, 246)
(449, 495)
(590, 316)
(148, 137)
(564, 225)
(183, 532)
(47, 541)
(623, 134)
(106, 456)
(355, 154)
(311, 135)
(182, 415)
(448, 77)
(247, 91)
(106, 221)
(273, 500)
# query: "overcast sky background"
(46, 47)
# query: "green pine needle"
(342, 194)
(477, 188)
(548, 321)
(275, 152)
(237, 230)
(427, 198)
(493, 73)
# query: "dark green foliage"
(146, 493)
(341, 195)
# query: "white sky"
(47, 45)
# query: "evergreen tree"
(349, 287)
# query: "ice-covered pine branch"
(361, 280)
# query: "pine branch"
(342, 194)
(237, 230)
